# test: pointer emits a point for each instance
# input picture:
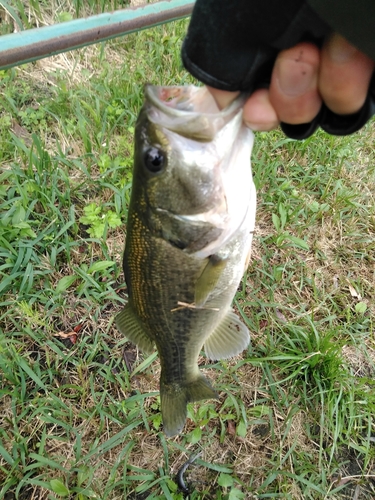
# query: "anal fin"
(128, 324)
(229, 338)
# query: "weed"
(99, 221)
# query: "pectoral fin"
(207, 281)
(128, 324)
(229, 339)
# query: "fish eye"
(154, 160)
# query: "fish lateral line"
(185, 305)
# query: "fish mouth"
(189, 111)
(182, 99)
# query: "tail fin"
(174, 399)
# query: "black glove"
(232, 45)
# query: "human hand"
(303, 77)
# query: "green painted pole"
(33, 44)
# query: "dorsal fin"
(128, 324)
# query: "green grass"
(80, 412)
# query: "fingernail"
(339, 49)
(294, 77)
(253, 126)
(261, 127)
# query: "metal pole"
(33, 44)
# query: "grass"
(80, 415)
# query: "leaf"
(25, 230)
(113, 219)
(236, 494)
(145, 364)
(156, 421)
(172, 485)
(65, 283)
(263, 323)
(283, 215)
(196, 435)
(241, 429)
(225, 480)
(361, 307)
(26, 368)
(5, 455)
(92, 210)
(280, 316)
(59, 488)
(21, 133)
(231, 428)
(213, 466)
(298, 242)
(276, 222)
(100, 266)
(65, 16)
(87, 220)
(97, 229)
(314, 206)
(63, 335)
(72, 336)
(354, 293)
(19, 215)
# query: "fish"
(190, 223)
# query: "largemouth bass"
(189, 231)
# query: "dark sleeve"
(232, 45)
(353, 19)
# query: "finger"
(258, 113)
(222, 97)
(294, 84)
(345, 75)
